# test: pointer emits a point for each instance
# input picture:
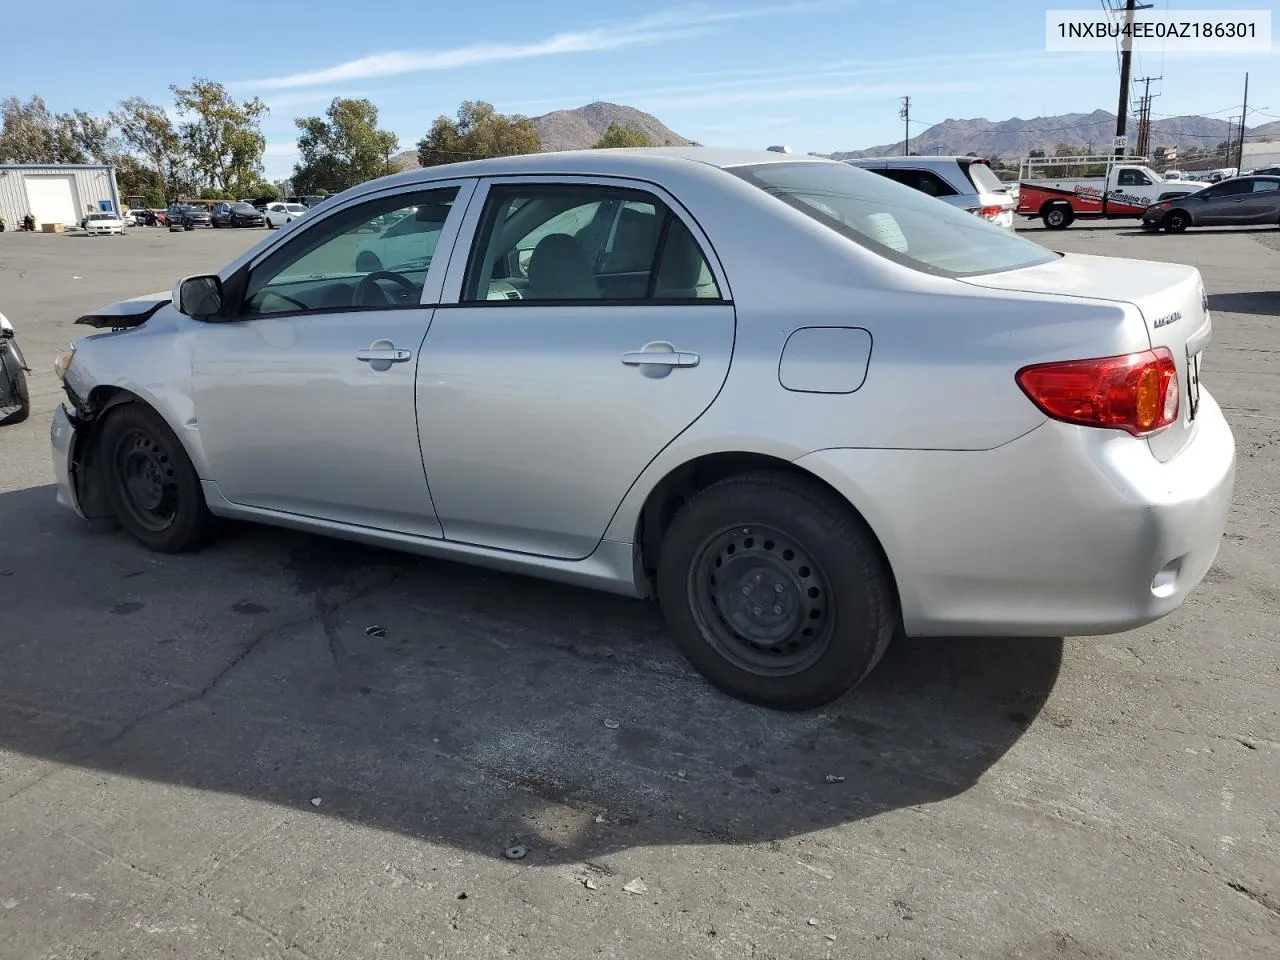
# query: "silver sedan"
(804, 407)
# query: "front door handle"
(383, 351)
(389, 356)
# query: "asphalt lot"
(165, 723)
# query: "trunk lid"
(1169, 296)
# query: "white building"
(56, 192)
(1260, 153)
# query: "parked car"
(238, 214)
(103, 224)
(181, 216)
(15, 401)
(965, 182)
(410, 239)
(676, 395)
(1241, 201)
(1266, 172)
(279, 213)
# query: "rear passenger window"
(1266, 186)
(569, 244)
(922, 180)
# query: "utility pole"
(1244, 117)
(1126, 56)
(904, 112)
(1144, 115)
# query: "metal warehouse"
(56, 192)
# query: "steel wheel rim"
(144, 472)
(761, 600)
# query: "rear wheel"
(1176, 221)
(1058, 217)
(776, 593)
(150, 483)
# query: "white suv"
(965, 182)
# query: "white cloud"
(671, 25)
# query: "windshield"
(896, 222)
(243, 208)
(102, 216)
(295, 208)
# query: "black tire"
(1058, 217)
(151, 485)
(13, 389)
(836, 609)
(1176, 221)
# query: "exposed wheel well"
(88, 479)
(677, 487)
(1050, 204)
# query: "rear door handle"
(660, 358)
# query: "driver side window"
(369, 257)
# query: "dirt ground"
(210, 755)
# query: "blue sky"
(818, 75)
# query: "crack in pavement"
(323, 612)
(1261, 899)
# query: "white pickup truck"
(1060, 190)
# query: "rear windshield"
(984, 179)
(896, 222)
(295, 208)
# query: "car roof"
(639, 162)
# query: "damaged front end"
(73, 435)
(75, 424)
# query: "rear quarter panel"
(943, 356)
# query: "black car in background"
(183, 216)
(237, 215)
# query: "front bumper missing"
(63, 439)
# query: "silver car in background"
(965, 182)
(802, 406)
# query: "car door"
(1263, 203)
(1221, 204)
(552, 375)
(304, 393)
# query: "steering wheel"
(368, 283)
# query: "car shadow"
(446, 702)
(1261, 302)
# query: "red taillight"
(990, 213)
(1137, 392)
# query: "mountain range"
(1017, 137)
(581, 129)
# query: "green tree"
(478, 133)
(344, 150)
(621, 135)
(147, 130)
(267, 191)
(222, 137)
(31, 133)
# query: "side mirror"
(198, 296)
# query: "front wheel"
(151, 485)
(1176, 221)
(776, 592)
